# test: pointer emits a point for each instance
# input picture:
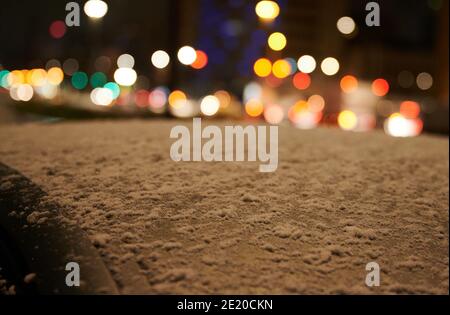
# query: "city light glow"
(95, 9)
(160, 59)
(267, 10)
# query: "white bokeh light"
(102, 96)
(125, 61)
(330, 66)
(306, 64)
(210, 105)
(346, 25)
(160, 59)
(187, 55)
(125, 76)
(95, 9)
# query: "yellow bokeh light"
(38, 77)
(281, 69)
(267, 10)
(277, 41)
(347, 120)
(300, 106)
(177, 99)
(55, 76)
(254, 108)
(262, 67)
(16, 77)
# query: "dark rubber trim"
(44, 248)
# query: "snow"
(338, 201)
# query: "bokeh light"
(281, 69)
(399, 126)
(410, 109)
(125, 61)
(55, 76)
(57, 29)
(316, 103)
(346, 25)
(25, 92)
(277, 41)
(187, 55)
(160, 59)
(52, 63)
(274, 114)
(252, 90)
(141, 98)
(349, 84)
(201, 60)
(115, 89)
(16, 77)
(306, 64)
(95, 9)
(224, 98)
(347, 120)
(267, 10)
(38, 77)
(262, 67)
(254, 108)
(301, 81)
(102, 96)
(301, 116)
(98, 79)
(102, 64)
(79, 80)
(157, 98)
(424, 81)
(70, 66)
(380, 87)
(125, 76)
(210, 105)
(330, 66)
(177, 99)
(4, 78)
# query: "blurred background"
(301, 62)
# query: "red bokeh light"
(380, 87)
(410, 109)
(57, 29)
(301, 81)
(141, 98)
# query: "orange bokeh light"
(410, 109)
(254, 108)
(349, 84)
(380, 87)
(201, 61)
(301, 81)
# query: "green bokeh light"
(98, 79)
(4, 78)
(79, 80)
